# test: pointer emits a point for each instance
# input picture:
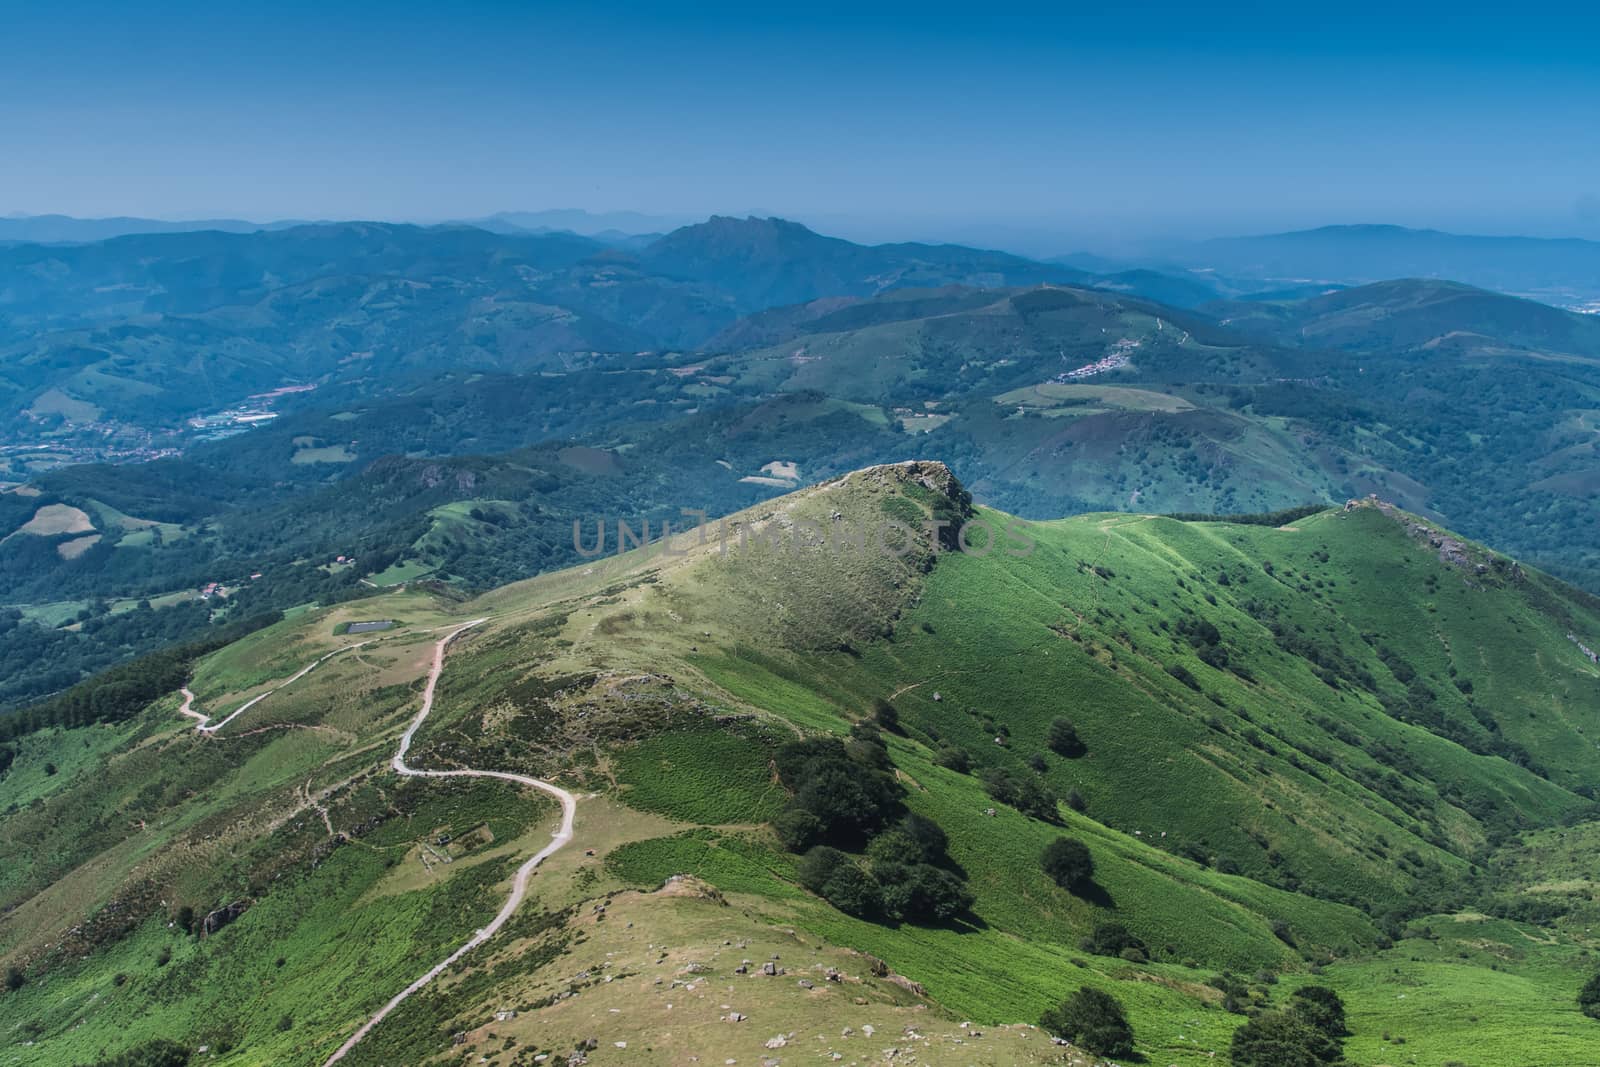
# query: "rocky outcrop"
(1462, 555)
(224, 915)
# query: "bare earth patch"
(54, 519)
(77, 546)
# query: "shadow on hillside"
(1096, 894)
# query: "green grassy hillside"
(1345, 749)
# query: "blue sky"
(1048, 128)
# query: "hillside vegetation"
(1349, 751)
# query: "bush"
(157, 1053)
(1068, 863)
(835, 877)
(1110, 938)
(1077, 802)
(954, 759)
(798, 829)
(847, 792)
(818, 865)
(1279, 1039)
(1092, 1020)
(1062, 738)
(1588, 997)
(894, 846)
(14, 979)
(1028, 795)
(885, 715)
(928, 835)
(852, 891)
(921, 893)
(1321, 1007)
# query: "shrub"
(1077, 802)
(1184, 675)
(835, 877)
(1279, 1039)
(1109, 939)
(885, 715)
(1062, 738)
(851, 890)
(1588, 997)
(954, 759)
(1027, 795)
(1092, 1020)
(1038, 764)
(14, 979)
(848, 795)
(157, 1053)
(1068, 863)
(928, 835)
(1321, 1007)
(818, 865)
(921, 892)
(798, 829)
(894, 846)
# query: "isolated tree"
(886, 715)
(1321, 1007)
(1281, 1039)
(1068, 863)
(1589, 997)
(950, 757)
(1110, 939)
(14, 979)
(1062, 738)
(1092, 1020)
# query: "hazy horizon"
(1047, 133)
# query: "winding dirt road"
(519, 883)
(204, 724)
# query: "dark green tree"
(1589, 997)
(1321, 1007)
(1068, 863)
(1062, 738)
(1092, 1020)
(1281, 1039)
(1111, 939)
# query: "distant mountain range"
(1561, 271)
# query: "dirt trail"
(519, 883)
(204, 724)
